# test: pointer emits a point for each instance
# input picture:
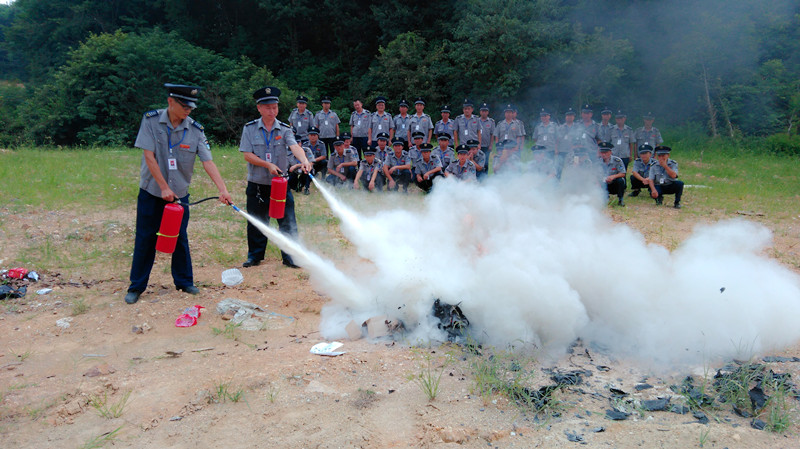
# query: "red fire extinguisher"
(277, 197)
(170, 228)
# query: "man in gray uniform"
(509, 129)
(478, 157)
(380, 122)
(640, 176)
(444, 152)
(604, 127)
(623, 139)
(360, 121)
(542, 165)
(420, 121)
(327, 122)
(426, 168)
(397, 167)
(462, 169)
(171, 141)
(265, 144)
(664, 175)
(301, 118)
(402, 123)
(568, 133)
(414, 152)
(487, 133)
(648, 134)
(466, 125)
(590, 128)
(613, 172)
(341, 164)
(445, 125)
(545, 134)
(319, 151)
(369, 173)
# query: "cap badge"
(194, 91)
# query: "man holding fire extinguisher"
(264, 145)
(171, 141)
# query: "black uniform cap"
(325, 99)
(467, 102)
(338, 140)
(419, 100)
(369, 151)
(302, 99)
(425, 147)
(267, 95)
(606, 110)
(544, 112)
(418, 135)
(382, 136)
(443, 136)
(661, 149)
(605, 146)
(403, 102)
(446, 108)
(570, 111)
(186, 95)
(649, 116)
(645, 149)
(484, 107)
(462, 149)
(473, 143)
(621, 114)
(586, 108)
(397, 141)
(509, 107)
(346, 136)
(380, 99)
(313, 130)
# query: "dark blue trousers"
(258, 207)
(149, 210)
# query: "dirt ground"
(289, 398)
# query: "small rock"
(63, 323)
(758, 424)
(450, 435)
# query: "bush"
(12, 96)
(98, 97)
(783, 144)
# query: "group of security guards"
(171, 141)
(395, 151)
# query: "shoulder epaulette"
(251, 122)
(198, 125)
(150, 114)
(284, 124)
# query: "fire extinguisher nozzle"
(235, 208)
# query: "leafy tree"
(100, 94)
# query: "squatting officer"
(171, 141)
(265, 144)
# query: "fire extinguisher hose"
(197, 202)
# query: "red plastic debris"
(17, 273)
(189, 316)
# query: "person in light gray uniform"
(648, 134)
(444, 152)
(462, 168)
(604, 127)
(341, 165)
(420, 121)
(545, 135)
(360, 121)
(664, 175)
(622, 137)
(541, 164)
(487, 132)
(370, 173)
(613, 172)
(328, 124)
(301, 119)
(445, 125)
(381, 122)
(466, 125)
(640, 175)
(397, 167)
(413, 152)
(426, 168)
(478, 157)
(590, 128)
(402, 123)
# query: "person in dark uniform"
(265, 144)
(171, 141)
(613, 172)
(664, 175)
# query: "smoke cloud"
(546, 266)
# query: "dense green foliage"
(90, 67)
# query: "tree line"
(83, 72)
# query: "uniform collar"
(275, 124)
(164, 118)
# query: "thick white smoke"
(538, 265)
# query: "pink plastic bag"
(189, 316)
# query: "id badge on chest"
(466, 132)
(380, 127)
(172, 163)
(417, 127)
(619, 141)
(544, 138)
(326, 123)
(268, 157)
(358, 123)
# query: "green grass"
(109, 409)
(224, 391)
(429, 370)
(102, 439)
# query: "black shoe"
(306, 192)
(132, 297)
(658, 201)
(250, 262)
(634, 194)
(190, 289)
(677, 205)
(290, 263)
(621, 202)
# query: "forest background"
(82, 72)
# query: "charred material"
(451, 319)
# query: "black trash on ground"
(701, 417)
(617, 415)
(573, 436)
(758, 424)
(8, 292)
(451, 319)
(655, 405)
